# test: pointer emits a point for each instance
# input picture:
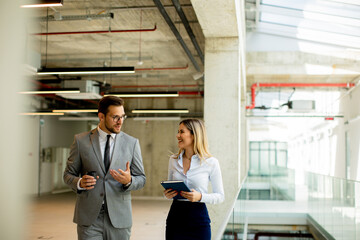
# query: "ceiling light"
(41, 113)
(43, 3)
(148, 94)
(83, 95)
(79, 119)
(160, 111)
(156, 118)
(75, 110)
(51, 91)
(85, 70)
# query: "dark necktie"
(107, 154)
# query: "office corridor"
(50, 217)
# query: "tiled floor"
(50, 217)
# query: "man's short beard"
(111, 129)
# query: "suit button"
(101, 194)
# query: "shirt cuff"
(128, 184)
(78, 185)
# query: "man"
(103, 202)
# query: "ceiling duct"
(89, 89)
(302, 105)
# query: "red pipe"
(191, 93)
(155, 86)
(182, 93)
(91, 32)
(42, 84)
(255, 85)
(168, 68)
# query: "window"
(266, 155)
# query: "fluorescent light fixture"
(149, 94)
(78, 118)
(40, 113)
(85, 70)
(69, 91)
(156, 118)
(43, 3)
(81, 96)
(75, 110)
(160, 111)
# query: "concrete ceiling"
(155, 49)
(160, 61)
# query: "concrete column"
(12, 168)
(223, 25)
(222, 115)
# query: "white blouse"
(198, 177)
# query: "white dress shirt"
(102, 141)
(198, 176)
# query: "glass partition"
(333, 204)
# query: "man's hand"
(123, 177)
(192, 196)
(88, 182)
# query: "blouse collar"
(195, 160)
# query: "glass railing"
(279, 185)
(334, 204)
(331, 204)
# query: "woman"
(189, 218)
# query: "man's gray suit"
(85, 156)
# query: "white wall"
(31, 149)
(323, 150)
(49, 133)
(350, 105)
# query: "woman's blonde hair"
(197, 129)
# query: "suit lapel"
(94, 139)
(117, 149)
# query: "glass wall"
(264, 155)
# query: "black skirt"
(188, 221)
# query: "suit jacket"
(85, 156)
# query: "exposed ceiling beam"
(168, 20)
(188, 28)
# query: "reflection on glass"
(332, 203)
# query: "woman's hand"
(193, 196)
(169, 193)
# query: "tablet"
(176, 185)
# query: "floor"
(50, 217)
